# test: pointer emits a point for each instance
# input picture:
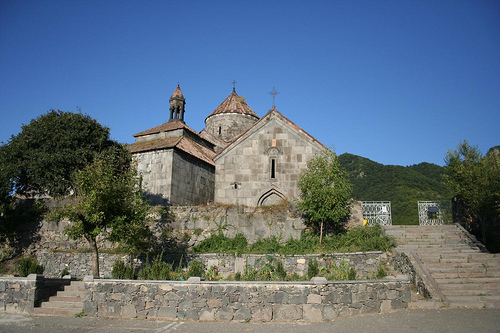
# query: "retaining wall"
(22, 294)
(193, 300)
(366, 264)
(313, 301)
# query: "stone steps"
(66, 303)
(464, 276)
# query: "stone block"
(297, 299)
(263, 314)
(243, 314)
(385, 306)
(398, 304)
(128, 311)
(328, 312)
(90, 308)
(168, 313)
(314, 299)
(224, 314)
(312, 313)
(287, 312)
(207, 315)
(279, 297)
(342, 297)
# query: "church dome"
(231, 118)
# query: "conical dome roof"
(177, 92)
(234, 104)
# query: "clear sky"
(398, 82)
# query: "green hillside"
(402, 186)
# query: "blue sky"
(398, 82)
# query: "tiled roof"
(234, 104)
(183, 143)
(168, 126)
(177, 92)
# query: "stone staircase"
(66, 303)
(460, 271)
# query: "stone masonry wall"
(256, 302)
(248, 164)
(17, 295)
(366, 264)
(192, 180)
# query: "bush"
(195, 268)
(312, 268)
(122, 271)
(222, 244)
(157, 270)
(29, 265)
(266, 245)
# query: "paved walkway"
(405, 321)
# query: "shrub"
(122, 271)
(222, 244)
(29, 265)
(312, 268)
(266, 245)
(157, 270)
(195, 268)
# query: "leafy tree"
(325, 192)
(108, 205)
(475, 179)
(42, 158)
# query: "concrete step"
(63, 305)
(57, 312)
(485, 280)
(65, 299)
(425, 305)
(464, 292)
(469, 286)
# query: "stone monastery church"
(238, 158)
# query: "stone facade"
(238, 159)
(315, 301)
(229, 126)
(262, 167)
(192, 180)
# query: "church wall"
(231, 125)
(155, 167)
(243, 174)
(192, 180)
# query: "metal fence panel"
(377, 212)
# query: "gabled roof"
(261, 122)
(165, 127)
(234, 104)
(182, 143)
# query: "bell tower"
(177, 105)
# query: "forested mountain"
(402, 186)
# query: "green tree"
(109, 205)
(475, 179)
(325, 193)
(43, 157)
